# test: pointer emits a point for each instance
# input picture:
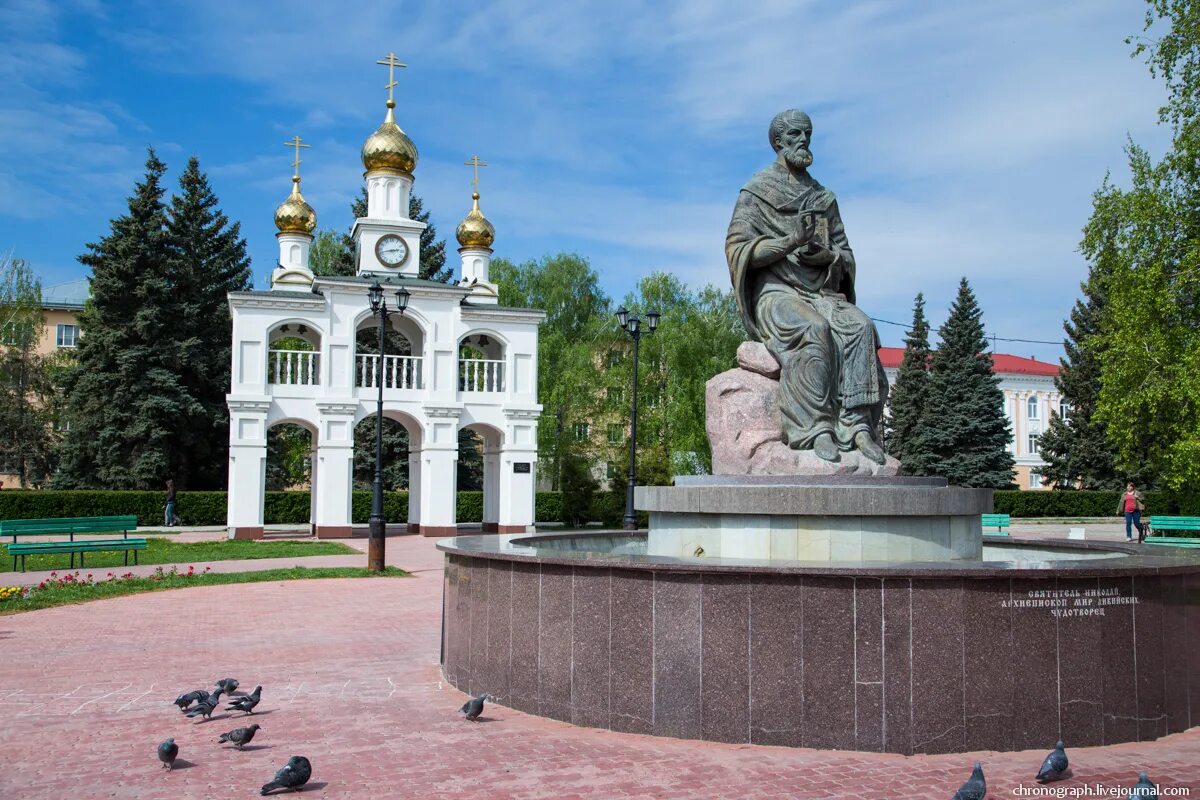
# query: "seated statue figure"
(793, 276)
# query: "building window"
(616, 434)
(582, 431)
(1033, 443)
(615, 396)
(1035, 479)
(1031, 407)
(9, 334)
(67, 336)
(614, 358)
(1064, 408)
(610, 470)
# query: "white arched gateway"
(455, 359)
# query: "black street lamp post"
(633, 326)
(378, 523)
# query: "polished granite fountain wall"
(911, 658)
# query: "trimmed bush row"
(608, 508)
(208, 508)
(1090, 504)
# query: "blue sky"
(961, 138)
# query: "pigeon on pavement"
(474, 707)
(167, 752)
(246, 702)
(227, 685)
(1144, 790)
(975, 788)
(185, 700)
(294, 774)
(240, 737)
(206, 706)
(1054, 766)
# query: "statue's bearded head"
(790, 133)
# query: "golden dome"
(389, 148)
(294, 215)
(475, 230)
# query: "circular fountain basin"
(1090, 643)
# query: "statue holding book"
(793, 275)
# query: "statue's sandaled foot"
(825, 448)
(867, 446)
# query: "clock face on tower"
(391, 250)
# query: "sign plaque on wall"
(521, 467)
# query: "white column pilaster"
(247, 466)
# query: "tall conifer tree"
(908, 396)
(1076, 449)
(963, 429)
(125, 395)
(207, 259)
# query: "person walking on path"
(1132, 505)
(169, 517)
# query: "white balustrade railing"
(480, 375)
(399, 372)
(294, 367)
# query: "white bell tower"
(386, 241)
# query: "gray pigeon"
(1144, 790)
(294, 774)
(227, 685)
(168, 750)
(185, 700)
(1054, 766)
(975, 788)
(240, 737)
(247, 702)
(474, 707)
(205, 707)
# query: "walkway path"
(350, 679)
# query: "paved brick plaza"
(350, 677)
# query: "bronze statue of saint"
(793, 276)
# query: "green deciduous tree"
(1149, 339)
(963, 429)
(907, 398)
(27, 444)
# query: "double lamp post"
(377, 522)
(632, 324)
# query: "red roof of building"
(1003, 363)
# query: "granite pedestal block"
(814, 518)
(903, 658)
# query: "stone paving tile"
(350, 676)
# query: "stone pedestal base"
(334, 531)
(815, 519)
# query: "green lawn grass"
(166, 551)
(59, 595)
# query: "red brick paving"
(350, 676)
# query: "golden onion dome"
(389, 148)
(475, 230)
(295, 215)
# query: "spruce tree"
(207, 260)
(125, 397)
(908, 396)
(962, 428)
(1075, 449)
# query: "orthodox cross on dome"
(391, 62)
(295, 143)
(475, 163)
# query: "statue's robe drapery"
(831, 380)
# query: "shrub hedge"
(608, 508)
(279, 508)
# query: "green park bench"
(69, 527)
(1174, 524)
(997, 521)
